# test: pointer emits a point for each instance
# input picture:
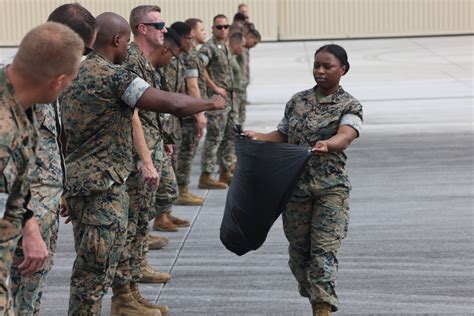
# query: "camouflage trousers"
(219, 147)
(186, 151)
(142, 208)
(28, 290)
(167, 189)
(315, 227)
(9, 235)
(242, 106)
(141, 197)
(100, 232)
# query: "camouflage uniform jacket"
(308, 120)
(167, 138)
(174, 74)
(194, 68)
(97, 113)
(238, 75)
(152, 122)
(49, 168)
(17, 144)
(172, 78)
(216, 58)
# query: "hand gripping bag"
(263, 181)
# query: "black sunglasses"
(220, 27)
(157, 25)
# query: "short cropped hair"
(219, 16)
(240, 17)
(138, 13)
(236, 28)
(255, 33)
(49, 50)
(181, 28)
(236, 38)
(193, 22)
(77, 18)
(172, 38)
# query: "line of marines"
(103, 131)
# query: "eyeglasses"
(174, 52)
(87, 51)
(157, 25)
(220, 27)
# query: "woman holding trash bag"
(327, 119)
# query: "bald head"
(110, 25)
(47, 51)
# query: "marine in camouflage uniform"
(46, 190)
(185, 142)
(142, 195)
(17, 143)
(194, 68)
(170, 77)
(244, 62)
(218, 143)
(237, 102)
(97, 115)
(316, 218)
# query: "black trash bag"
(263, 181)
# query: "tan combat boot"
(164, 309)
(164, 224)
(150, 275)
(196, 197)
(225, 177)
(124, 304)
(178, 221)
(186, 198)
(156, 242)
(206, 182)
(322, 309)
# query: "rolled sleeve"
(13, 190)
(8, 174)
(191, 73)
(134, 91)
(353, 121)
(283, 126)
(204, 58)
(3, 203)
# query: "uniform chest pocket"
(222, 59)
(322, 129)
(49, 125)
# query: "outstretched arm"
(178, 104)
